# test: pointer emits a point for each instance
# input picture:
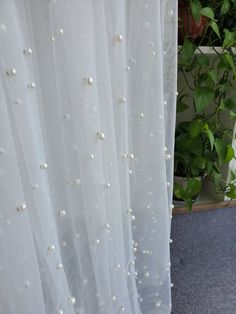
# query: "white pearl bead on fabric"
(168, 156)
(62, 213)
(59, 312)
(31, 85)
(27, 52)
(51, 248)
(100, 136)
(89, 80)
(72, 300)
(119, 38)
(59, 266)
(44, 166)
(11, 72)
(21, 208)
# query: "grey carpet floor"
(203, 257)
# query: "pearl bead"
(114, 298)
(27, 284)
(89, 80)
(118, 266)
(62, 213)
(3, 28)
(21, 208)
(142, 115)
(131, 156)
(171, 12)
(36, 186)
(107, 185)
(97, 241)
(154, 53)
(61, 31)
(168, 183)
(72, 300)
(59, 312)
(11, 72)
(168, 157)
(146, 274)
(133, 217)
(76, 182)
(128, 68)
(122, 308)
(91, 156)
(165, 102)
(157, 304)
(119, 37)
(66, 116)
(31, 85)
(171, 285)
(59, 266)
(100, 136)
(52, 38)
(129, 210)
(17, 101)
(123, 100)
(27, 52)
(44, 166)
(51, 248)
(171, 241)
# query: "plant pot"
(188, 27)
(183, 182)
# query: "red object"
(188, 27)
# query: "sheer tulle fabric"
(87, 103)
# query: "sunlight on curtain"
(87, 114)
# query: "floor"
(203, 257)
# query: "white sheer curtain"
(87, 111)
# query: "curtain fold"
(87, 117)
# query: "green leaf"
(230, 154)
(210, 136)
(199, 162)
(216, 176)
(193, 187)
(231, 104)
(190, 145)
(203, 96)
(195, 8)
(231, 193)
(187, 52)
(202, 60)
(232, 175)
(215, 28)
(208, 12)
(221, 149)
(230, 39)
(195, 127)
(213, 75)
(225, 7)
(228, 59)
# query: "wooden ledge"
(204, 207)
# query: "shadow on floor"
(203, 257)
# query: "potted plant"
(191, 23)
(203, 142)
